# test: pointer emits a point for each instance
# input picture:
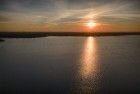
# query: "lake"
(70, 65)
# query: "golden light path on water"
(88, 67)
(88, 58)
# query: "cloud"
(4, 19)
(69, 11)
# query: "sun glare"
(91, 24)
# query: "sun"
(91, 24)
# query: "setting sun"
(91, 24)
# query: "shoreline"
(46, 34)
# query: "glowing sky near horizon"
(69, 15)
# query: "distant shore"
(1, 40)
(46, 34)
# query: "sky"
(69, 15)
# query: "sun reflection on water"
(88, 58)
(88, 67)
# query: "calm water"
(70, 65)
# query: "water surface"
(70, 65)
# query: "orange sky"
(20, 27)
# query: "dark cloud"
(4, 19)
(40, 3)
(50, 4)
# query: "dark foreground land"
(45, 34)
(1, 40)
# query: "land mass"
(1, 40)
(45, 34)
